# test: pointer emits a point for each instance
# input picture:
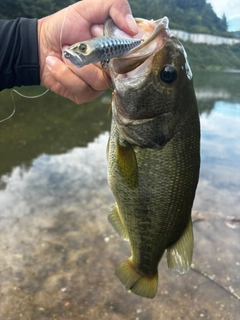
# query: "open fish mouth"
(153, 34)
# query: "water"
(58, 251)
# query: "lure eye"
(168, 74)
(83, 47)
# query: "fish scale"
(153, 155)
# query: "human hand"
(82, 20)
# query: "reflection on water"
(58, 250)
(219, 185)
(61, 181)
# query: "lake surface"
(58, 251)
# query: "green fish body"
(153, 157)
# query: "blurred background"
(58, 251)
(209, 17)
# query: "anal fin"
(179, 255)
(114, 217)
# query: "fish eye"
(168, 74)
(83, 47)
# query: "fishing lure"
(99, 49)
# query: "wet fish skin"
(99, 49)
(153, 162)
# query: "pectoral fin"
(127, 164)
(115, 219)
(179, 255)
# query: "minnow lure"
(99, 49)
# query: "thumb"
(131, 24)
(118, 10)
(121, 14)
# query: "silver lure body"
(99, 49)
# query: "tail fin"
(145, 286)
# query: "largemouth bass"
(99, 49)
(153, 154)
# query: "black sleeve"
(19, 61)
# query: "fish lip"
(73, 57)
(151, 43)
(161, 24)
(110, 26)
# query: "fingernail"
(132, 25)
(50, 61)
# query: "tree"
(11, 9)
(189, 15)
(224, 22)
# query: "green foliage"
(195, 16)
(189, 15)
(237, 34)
(202, 56)
(11, 9)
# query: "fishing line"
(61, 31)
(24, 96)
(40, 95)
(212, 279)
(104, 64)
(61, 35)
